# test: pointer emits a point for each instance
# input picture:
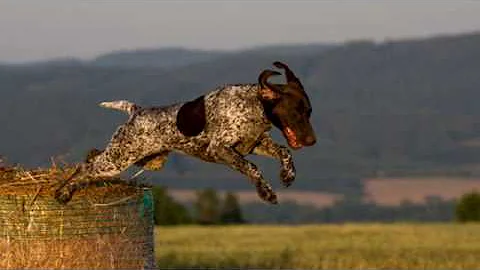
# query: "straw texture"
(103, 227)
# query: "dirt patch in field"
(317, 199)
(471, 143)
(383, 191)
(392, 191)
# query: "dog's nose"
(310, 140)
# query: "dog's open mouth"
(291, 138)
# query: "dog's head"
(288, 107)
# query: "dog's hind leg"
(103, 167)
(91, 154)
(121, 153)
(153, 162)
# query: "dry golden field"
(359, 246)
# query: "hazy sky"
(33, 30)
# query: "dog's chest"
(200, 146)
(236, 117)
(247, 135)
(196, 147)
(245, 147)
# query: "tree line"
(211, 209)
(208, 209)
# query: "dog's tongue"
(291, 138)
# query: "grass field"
(360, 246)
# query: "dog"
(222, 126)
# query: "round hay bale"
(102, 227)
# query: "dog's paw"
(287, 175)
(63, 195)
(265, 192)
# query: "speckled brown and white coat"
(222, 127)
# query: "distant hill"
(159, 58)
(395, 108)
(181, 57)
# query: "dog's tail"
(121, 105)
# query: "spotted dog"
(222, 126)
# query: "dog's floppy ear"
(267, 90)
(291, 78)
(191, 117)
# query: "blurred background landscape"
(397, 119)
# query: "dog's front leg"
(268, 147)
(230, 157)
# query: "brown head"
(288, 107)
